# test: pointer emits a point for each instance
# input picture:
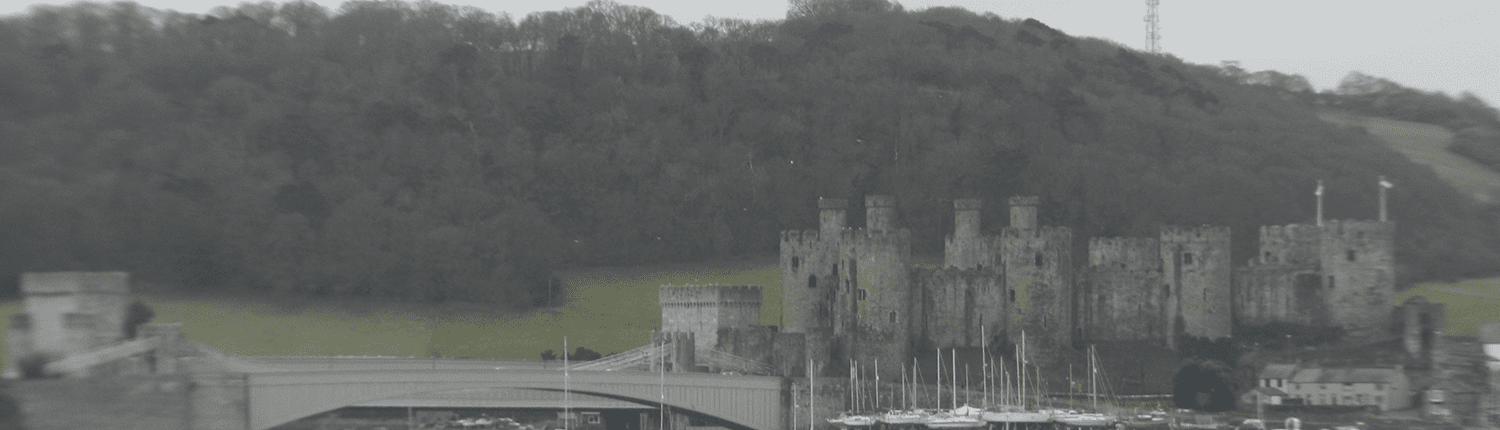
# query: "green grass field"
(608, 310)
(1469, 303)
(1427, 144)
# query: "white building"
(1385, 388)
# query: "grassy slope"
(1427, 144)
(1469, 303)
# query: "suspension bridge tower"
(1153, 27)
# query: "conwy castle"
(855, 294)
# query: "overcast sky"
(1444, 45)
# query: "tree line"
(421, 150)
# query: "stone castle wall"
(961, 306)
(1118, 303)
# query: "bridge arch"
(753, 402)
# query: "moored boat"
(852, 421)
(950, 420)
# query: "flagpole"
(1319, 193)
(566, 414)
(1383, 185)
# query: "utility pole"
(1153, 27)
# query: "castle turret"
(880, 213)
(1357, 265)
(966, 219)
(831, 216)
(1023, 212)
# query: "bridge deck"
(743, 401)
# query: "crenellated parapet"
(1045, 233)
(872, 239)
(709, 295)
(1207, 233)
(1291, 244)
(1130, 253)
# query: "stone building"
(1384, 388)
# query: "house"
(1264, 395)
(1381, 387)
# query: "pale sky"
(1443, 45)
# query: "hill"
(426, 151)
(1428, 144)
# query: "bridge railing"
(78, 363)
(638, 357)
(724, 361)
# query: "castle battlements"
(799, 237)
(865, 237)
(1049, 232)
(1173, 233)
(1024, 201)
(1125, 252)
(1354, 227)
(685, 295)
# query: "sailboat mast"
(567, 415)
(1093, 379)
(877, 384)
(984, 368)
(953, 369)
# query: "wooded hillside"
(424, 150)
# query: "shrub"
(137, 314)
(34, 366)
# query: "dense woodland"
(428, 151)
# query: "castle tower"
(1038, 277)
(1121, 295)
(809, 272)
(704, 309)
(69, 313)
(1197, 274)
(1357, 260)
(875, 306)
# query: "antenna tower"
(1153, 27)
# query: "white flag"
(1385, 183)
(1319, 192)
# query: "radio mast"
(1153, 27)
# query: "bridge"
(228, 391)
(750, 402)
